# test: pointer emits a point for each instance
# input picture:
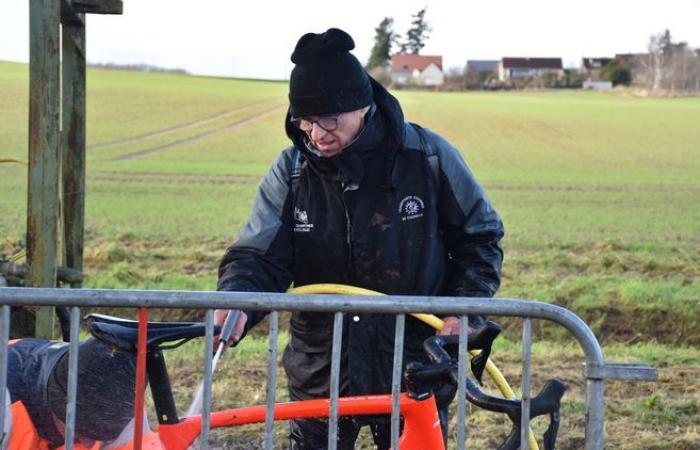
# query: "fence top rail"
(275, 301)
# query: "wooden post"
(73, 142)
(44, 161)
(49, 151)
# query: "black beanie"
(106, 380)
(326, 77)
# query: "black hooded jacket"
(374, 216)
(31, 363)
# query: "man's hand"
(219, 319)
(451, 326)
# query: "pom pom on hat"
(326, 77)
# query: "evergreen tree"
(417, 34)
(384, 38)
(617, 72)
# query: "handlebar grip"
(480, 339)
(229, 325)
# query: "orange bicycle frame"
(421, 426)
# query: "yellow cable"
(24, 162)
(433, 321)
(19, 257)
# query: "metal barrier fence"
(596, 370)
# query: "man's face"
(330, 140)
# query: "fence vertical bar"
(206, 400)
(4, 342)
(44, 161)
(462, 383)
(396, 379)
(335, 380)
(271, 382)
(527, 370)
(72, 376)
(73, 141)
(595, 438)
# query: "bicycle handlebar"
(420, 378)
(481, 339)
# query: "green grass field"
(599, 192)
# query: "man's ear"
(365, 110)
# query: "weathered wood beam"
(73, 144)
(97, 6)
(44, 160)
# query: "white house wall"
(432, 76)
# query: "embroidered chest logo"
(411, 207)
(302, 224)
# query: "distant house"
(592, 68)
(480, 73)
(529, 68)
(479, 66)
(421, 70)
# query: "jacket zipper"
(348, 224)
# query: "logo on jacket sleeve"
(302, 224)
(411, 207)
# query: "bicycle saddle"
(123, 333)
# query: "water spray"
(224, 336)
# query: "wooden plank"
(44, 162)
(97, 6)
(73, 145)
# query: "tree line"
(669, 66)
(386, 39)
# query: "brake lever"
(488, 334)
(550, 436)
(481, 339)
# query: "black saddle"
(123, 333)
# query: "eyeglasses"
(328, 122)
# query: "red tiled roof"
(410, 62)
(532, 63)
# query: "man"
(37, 387)
(365, 199)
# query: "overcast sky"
(255, 38)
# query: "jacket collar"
(384, 131)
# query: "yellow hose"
(435, 322)
(24, 162)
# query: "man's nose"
(317, 132)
